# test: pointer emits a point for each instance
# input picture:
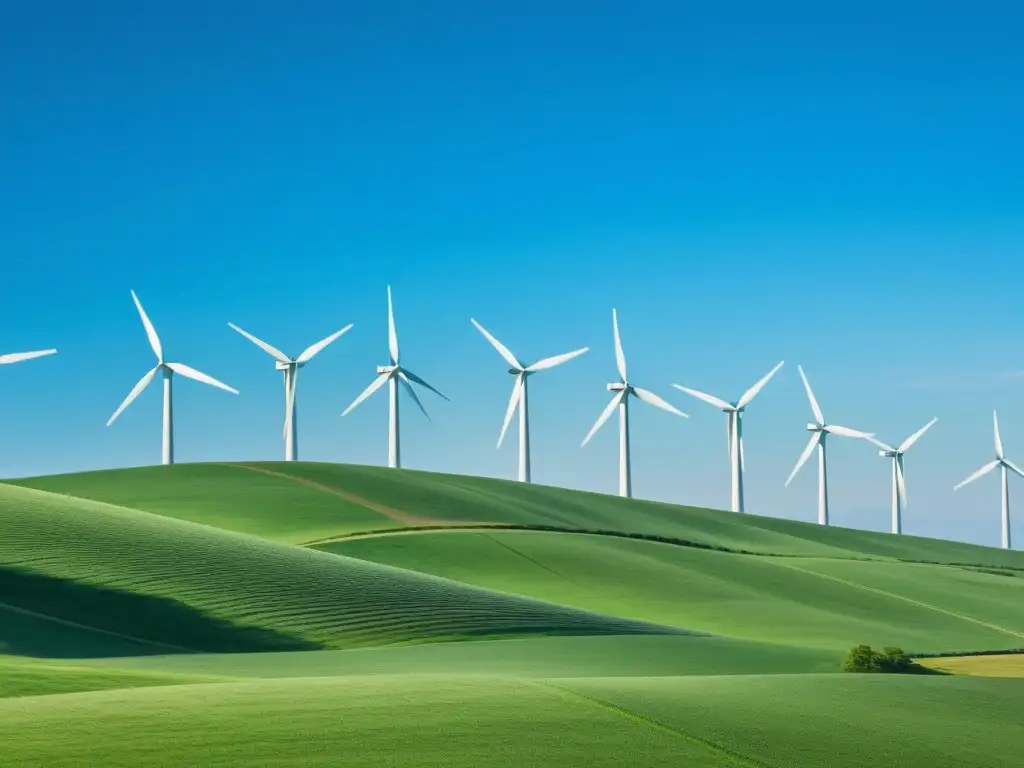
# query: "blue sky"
(839, 189)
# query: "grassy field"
(996, 665)
(317, 614)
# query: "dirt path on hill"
(395, 515)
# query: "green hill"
(776, 721)
(316, 614)
(301, 502)
(172, 584)
(799, 601)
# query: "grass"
(714, 722)
(168, 582)
(996, 665)
(314, 614)
(797, 601)
(345, 499)
(30, 677)
(594, 656)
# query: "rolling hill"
(311, 614)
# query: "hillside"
(302, 502)
(180, 586)
(777, 721)
(316, 614)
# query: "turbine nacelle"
(889, 454)
(384, 369)
(617, 386)
(279, 366)
(816, 428)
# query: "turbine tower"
(734, 429)
(290, 366)
(168, 369)
(522, 372)
(1004, 464)
(623, 389)
(899, 486)
(394, 375)
(819, 431)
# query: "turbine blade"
(374, 386)
(901, 483)
(810, 396)
(392, 334)
(835, 429)
(315, 349)
(742, 460)
(502, 349)
(413, 377)
(913, 438)
(983, 471)
(715, 401)
(619, 397)
(191, 373)
(513, 401)
(811, 445)
(620, 357)
(141, 385)
(551, 362)
(999, 442)
(154, 340)
(272, 351)
(649, 397)
(17, 357)
(751, 393)
(880, 444)
(1013, 467)
(403, 379)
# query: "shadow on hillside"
(49, 617)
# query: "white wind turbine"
(623, 389)
(522, 372)
(734, 429)
(290, 366)
(819, 431)
(169, 369)
(1004, 464)
(395, 375)
(899, 485)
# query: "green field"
(318, 614)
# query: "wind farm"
(297, 586)
(468, 522)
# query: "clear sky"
(836, 188)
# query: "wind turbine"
(819, 431)
(522, 372)
(1004, 464)
(734, 429)
(290, 366)
(623, 389)
(394, 375)
(899, 486)
(168, 369)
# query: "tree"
(862, 658)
